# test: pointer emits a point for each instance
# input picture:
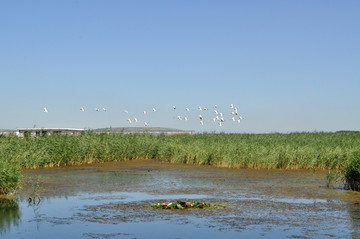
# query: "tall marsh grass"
(10, 177)
(352, 172)
(283, 151)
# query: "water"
(112, 201)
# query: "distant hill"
(150, 130)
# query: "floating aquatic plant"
(186, 205)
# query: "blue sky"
(286, 65)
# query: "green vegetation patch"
(10, 178)
(352, 172)
(186, 205)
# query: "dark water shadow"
(354, 213)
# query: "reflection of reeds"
(10, 214)
(285, 151)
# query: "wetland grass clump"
(10, 178)
(352, 172)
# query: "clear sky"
(286, 65)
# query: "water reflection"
(10, 214)
(354, 213)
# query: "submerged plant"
(332, 177)
(186, 205)
(34, 197)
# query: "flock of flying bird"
(218, 116)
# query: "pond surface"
(111, 200)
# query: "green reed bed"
(284, 151)
(57, 149)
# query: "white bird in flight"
(217, 118)
(45, 110)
